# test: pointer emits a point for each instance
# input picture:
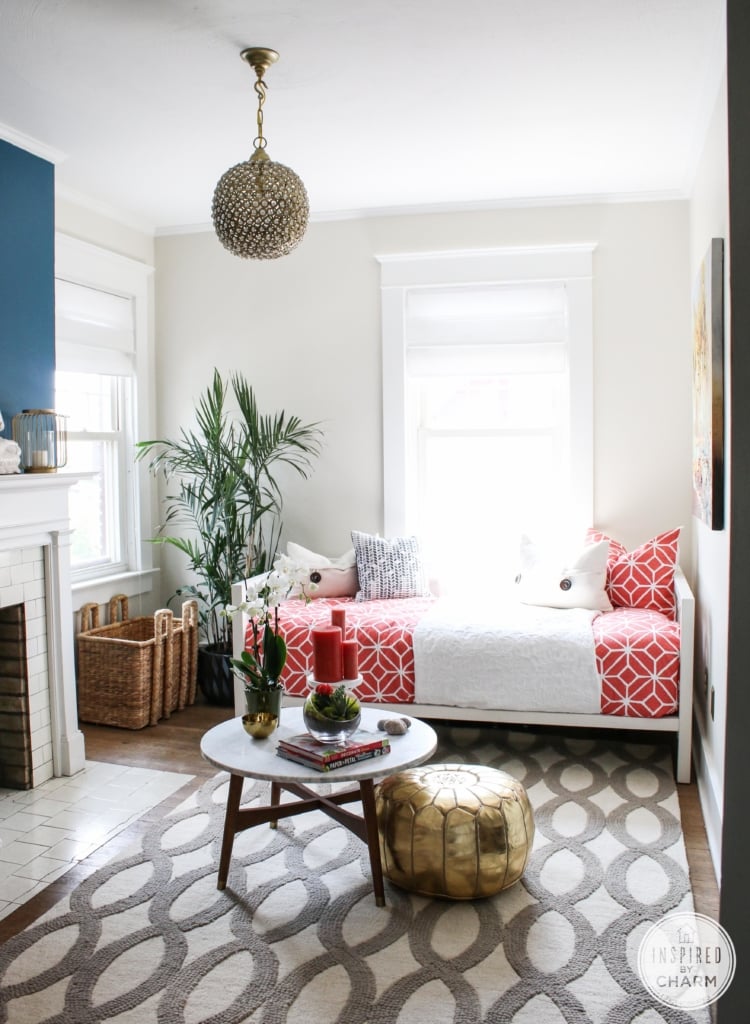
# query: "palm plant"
(228, 504)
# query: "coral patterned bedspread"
(637, 652)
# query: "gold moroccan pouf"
(454, 830)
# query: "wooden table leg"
(365, 827)
(367, 791)
(275, 797)
(230, 828)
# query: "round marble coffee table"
(227, 746)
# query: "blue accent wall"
(27, 282)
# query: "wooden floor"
(174, 745)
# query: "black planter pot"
(215, 677)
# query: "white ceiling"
(376, 105)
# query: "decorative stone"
(394, 726)
(454, 830)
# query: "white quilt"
(509, 656)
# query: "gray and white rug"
(296, 937)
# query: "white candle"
(39, 459)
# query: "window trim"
(94, 267)
(570, 264)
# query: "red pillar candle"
(327, 660)
(350, 650)
(338, 618)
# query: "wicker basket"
(133, 672)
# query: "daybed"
(643, 659)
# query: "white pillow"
(575, 581)
(335, 577)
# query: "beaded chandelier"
(260, 208)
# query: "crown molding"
(185, 229)
(31, 145)
(517, 202)
(581, 199)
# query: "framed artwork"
(708, 388)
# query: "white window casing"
(104, 325)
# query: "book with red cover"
(330, 766)
(360, 742)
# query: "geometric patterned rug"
(296, 938)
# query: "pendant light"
(260, 208)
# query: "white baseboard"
(711, 801)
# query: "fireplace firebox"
(15, 727)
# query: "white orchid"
(262, 663)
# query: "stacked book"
(306, 750)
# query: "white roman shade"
(94, 330)
(486, 329)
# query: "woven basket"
(134, 672)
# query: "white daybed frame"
(681, 723)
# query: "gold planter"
(263, 709)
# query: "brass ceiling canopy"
(260, 208)
(260, 58)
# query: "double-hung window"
(101, 329)
(487, 403)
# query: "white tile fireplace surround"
(35, 572)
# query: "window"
(487, 403)
(99, 410)
(101, 345)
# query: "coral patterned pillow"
(643, 578)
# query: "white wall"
(92, 226)
(709, 218)
(306, 331)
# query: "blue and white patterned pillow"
(388, 569)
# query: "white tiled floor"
(44, 831)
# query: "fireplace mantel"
(31, 505)
(34, 512)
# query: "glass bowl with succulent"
(261, 663)
(331, 713)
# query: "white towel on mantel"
(10, 456)
(510, 657)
